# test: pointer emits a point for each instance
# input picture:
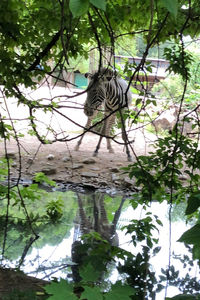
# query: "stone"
(95, 169)
(65, 159)
(90, 174)
(89, 161)
(114, 170)
(128, 182)
(50, 157)
(77, 166)
(114, 177)
(30, 160)
(103, 183)
(49, 171)
(167, 119)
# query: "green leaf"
(196, 251)
(119, 292)
(99, 4)
(191, 236)
(40, 177)
(91, 293)
(78, 7)
(171, 6)
(138, 101)
(60, 290)
(88, 273)
(193, 203)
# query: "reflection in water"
(50, 255)
(60, 251)
(98, 222)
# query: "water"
(50, 255)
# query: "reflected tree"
(20, 240)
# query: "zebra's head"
(96, 90)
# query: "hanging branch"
(45, 51)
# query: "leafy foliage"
(42, 178)
(79, 7)
(90, 271)
(55, 209)
(161, 169)
(60, 290)
(193, 203)
(179, 59)
(142, 230)
(29, 43)
(172, 6)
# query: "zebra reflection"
(98, 222)
(109, 90)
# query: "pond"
(47, 243)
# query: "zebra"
(109, 90)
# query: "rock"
(163, 124)
(59, 179)
(65, 159)
(103, 183)
(95, 169)
(90, 174)
(14, 165)
(77, 166)
(49, 171)
(114, 177)
(167, 119)
(89, 161)
(114, 170)
(50, 157)
(128, 182)
(30, 160)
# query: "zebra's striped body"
(107, 89)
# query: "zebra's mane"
(106, 72)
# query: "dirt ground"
(63, 164)
(59, 160)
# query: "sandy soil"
(59, 160)
(62, 163)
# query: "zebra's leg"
(87, 125)
(110, 122)
(124, 137)
(103, 131)
(85, 223)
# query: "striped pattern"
(109, 90)
(106, 88)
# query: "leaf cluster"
(160, 172)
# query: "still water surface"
(50, 255)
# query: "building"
(150, 73)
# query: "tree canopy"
(36, 31)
